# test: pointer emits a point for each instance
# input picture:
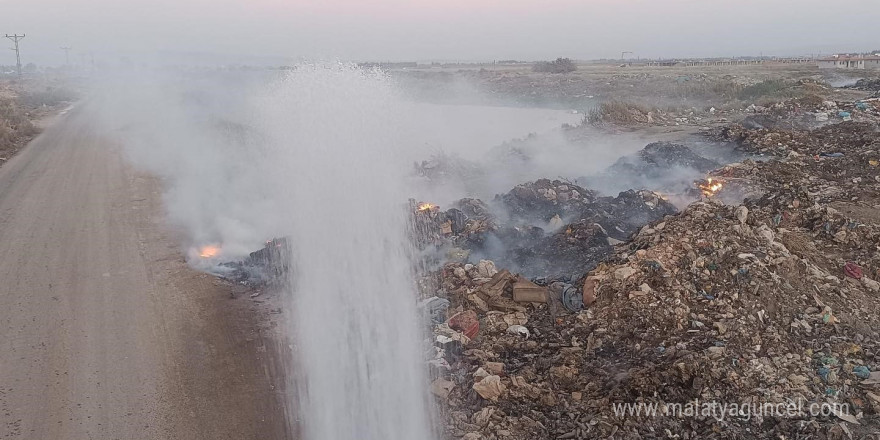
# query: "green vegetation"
(770, 87)
(561, 65)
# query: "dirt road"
(105, 332)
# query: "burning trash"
(268, 265)
(209, 251)
(710, 186)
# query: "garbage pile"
(867, 84)
(582, 244)
(660, 156)
(542, 199)
(770, 299)
(827, 139)
(269, 265)
(462, 226)
(542, 228)
(808, 112)
(661, 166)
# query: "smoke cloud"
(209, 137)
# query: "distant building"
(858, 62)
(389, 65)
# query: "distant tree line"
(561, 65)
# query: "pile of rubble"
(770, 300)
(547, 228)
(661, 166)
(582, 244)
(543, 199)
(779, 142)
(269, 265)
(871, 85)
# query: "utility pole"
(15, 38)
(66, 50)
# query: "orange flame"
(711, 187)
(209, 251)
(426, 206)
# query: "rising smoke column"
(337, 151)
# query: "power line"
(15, 38)
(66, 50)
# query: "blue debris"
(830, 361)
(862, 372)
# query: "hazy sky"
(438, 29)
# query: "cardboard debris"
(527, 291)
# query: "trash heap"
(582, 244)
(771, 299)
(549, 228)
(867, 84)
(662, 155)
(662, 166)
(465, 223)
(542, 199)
(269, 265)
(779, 142)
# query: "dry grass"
(810, 100)
(618, 112)
(15, 126)
(21, 104)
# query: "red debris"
(466, 322)
(852, 270)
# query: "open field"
(661, 87)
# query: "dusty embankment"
(107, 333)
(26, 108)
